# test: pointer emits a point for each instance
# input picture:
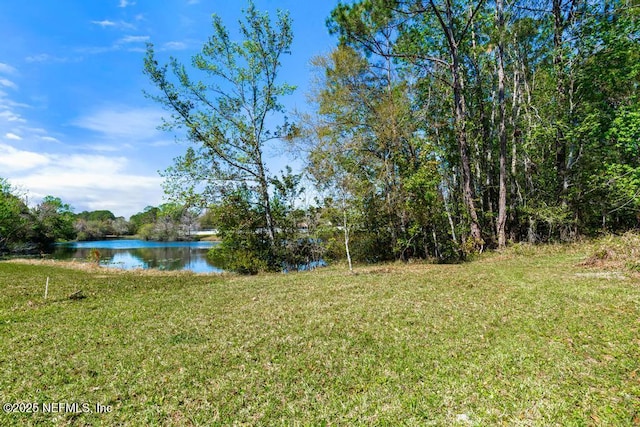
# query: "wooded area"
(458, 126)
(435, 130)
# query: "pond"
(134, 254)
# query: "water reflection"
(134, 254)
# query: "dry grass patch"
(615, 253)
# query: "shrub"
(238, 260)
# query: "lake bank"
(94, 268)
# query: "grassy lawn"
(526, 337)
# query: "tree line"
(25, 229)
(478, 123)
(435, 129)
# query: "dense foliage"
(14, 219)
(450, 127)
(26, 229)
(437, 129)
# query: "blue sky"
(74, 122)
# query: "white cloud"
(36, 130)
(86, 182)
(123, 194)
(45, 57)
(133, 39)
(162, 143)
(49, 139)
(11, 123)
(125, 3)
(5, 101)
(8, 83)
(89, 163)
(124, 124)
(109, 148)
(94, 50)
(7, 69)
(10, 116)
(174, 46)
(122, 25)
(13, 160)
(120, 44)
(104, 23)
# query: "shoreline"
(96, 268)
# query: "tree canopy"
(436, 129)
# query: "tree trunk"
(561, 94)
(450, 219)
(502, 131)
(448, 25)
(345, 224)
(516, 194)
(266, 202)
(484, 161)
(461, 135)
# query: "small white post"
(46, 288)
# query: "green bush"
(237, 260)
(146, 231)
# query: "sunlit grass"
(525, 337)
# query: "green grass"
(526, 337)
